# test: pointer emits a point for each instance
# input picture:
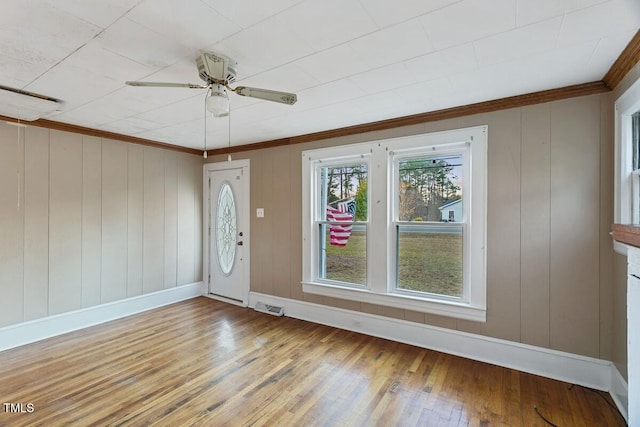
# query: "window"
(341, 222)
(399, 222)
(627, 165)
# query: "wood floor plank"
(202, 363)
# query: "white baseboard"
(46, 327)
(619, 392)
(567, 367)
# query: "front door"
(227, 230)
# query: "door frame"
(244, 217)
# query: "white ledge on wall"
(50, 326)
(442, 308)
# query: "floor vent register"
(269, 309)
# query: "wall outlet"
(260, 213)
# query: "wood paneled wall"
(550, 180)
(86, 220)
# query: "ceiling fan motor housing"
(214, 68)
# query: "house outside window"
(377, 227)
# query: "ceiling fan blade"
(268, 95)
(161, 84)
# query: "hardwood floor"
(206, 363)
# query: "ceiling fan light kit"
(218, 101)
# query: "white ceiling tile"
(73, 85)
(332, 64)
(185, 134)
(289, 78)
(100, 13)
(78, 117)
(187, 22)
(101, 111)
(260, 111)
(17, 74)
(35, 32)
(138, 43)
(375, 106)
(393, 44)
(129, 100)
(336, 116)
(238, 102)
(317, 23)
(469, 20)
(518, 43)
(268, 44)
(246, 13)
(97, 60)
(387, 13)
(384, 78)
(420, 96)
(608, 50)
(191, 108)
(129, 126)
(182, 71)
(328, 94)
(442, 63)
(587, 24)
(530, 11)
(524, 75)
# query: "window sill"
(441, 308)
(628, 234)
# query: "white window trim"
(627, 104)
(380, 199)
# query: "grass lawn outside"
(429, 261)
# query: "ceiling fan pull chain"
(229, 155)
(204, 154)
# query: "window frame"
(626, 181)
(381, 233)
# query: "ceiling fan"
(218, 71)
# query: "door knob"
(240, 243)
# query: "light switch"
(260, 212)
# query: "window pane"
(429, 259)
(344, 190)
(226, 226)
(343, 253)
(430, 188)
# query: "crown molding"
(65, 127)
(432, 116)
(583, 89)
(629, 57)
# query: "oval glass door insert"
(226, 226)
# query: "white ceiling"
(349, 61)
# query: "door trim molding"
(245, 218)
